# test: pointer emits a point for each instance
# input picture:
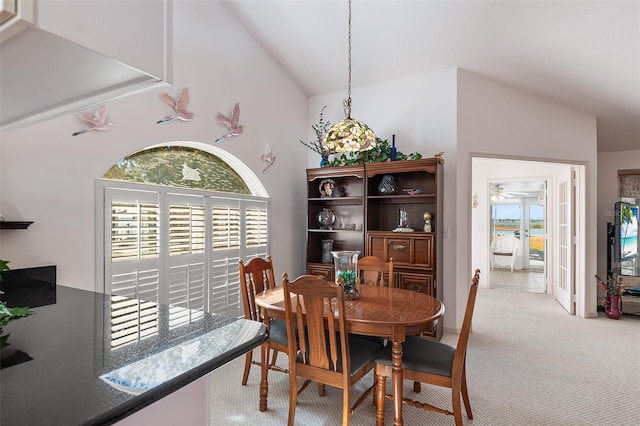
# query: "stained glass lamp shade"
(349, 135)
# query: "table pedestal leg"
(396, 376)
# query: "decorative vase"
(613, 309)
(346, 263)
(388, 186)
(324, 160)
(327, 246)
(403, 220)
(326, 218)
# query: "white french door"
(565, 280)
(534, 233)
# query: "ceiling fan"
(498, 193)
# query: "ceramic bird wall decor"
(95, 120)
(178, 106)
(231, 123)
(268, 159)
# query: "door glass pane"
(505, 220)
(536, 236)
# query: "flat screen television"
(626, 232)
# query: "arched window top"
(188, 165)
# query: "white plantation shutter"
(186, 273)
(137, 283)
(256, 224)
(186, 229)
(133, 241)
(134, 230)
(132, 320)
(226, 231)
(181, 249)
(225, 226)
(225, 286)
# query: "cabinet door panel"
(399, 249)
(423, 252)
(378, 248)
(423, 283)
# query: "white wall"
(496, 120)
(47, 175)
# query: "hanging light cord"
(347, 102)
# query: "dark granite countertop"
(74, 377)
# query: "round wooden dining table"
(380, 311)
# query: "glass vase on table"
(346, 264)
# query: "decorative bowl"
(412, 191)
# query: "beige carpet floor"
(529, 363)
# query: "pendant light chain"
(347, 102)
(349, 135)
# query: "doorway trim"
(479, 255)
(525, 232)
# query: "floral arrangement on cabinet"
(321, 128)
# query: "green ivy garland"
(379, 154)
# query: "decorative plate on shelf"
(327, 187)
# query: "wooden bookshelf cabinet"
(417, 255)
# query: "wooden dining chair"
(255, 277)
(327, 354)
(374, 271)
(432, 362)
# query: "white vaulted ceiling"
(585, 55)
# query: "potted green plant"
(8, 314)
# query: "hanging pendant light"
(349, 135)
